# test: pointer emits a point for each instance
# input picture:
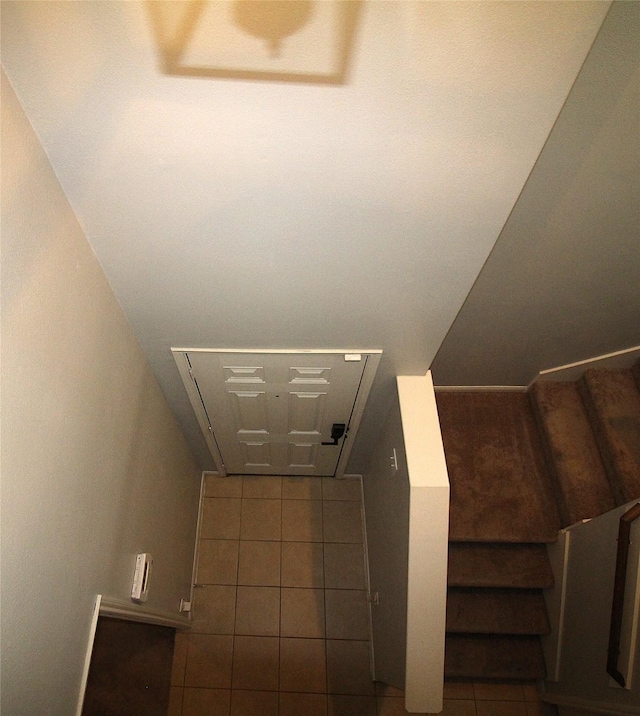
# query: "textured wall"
(94, 467)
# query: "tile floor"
(280, 618)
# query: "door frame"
(372, 361)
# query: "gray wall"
(386, 496)
(563, 281)
(94, 467)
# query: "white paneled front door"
(278, 413)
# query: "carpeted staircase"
(522, 466)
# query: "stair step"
(499, 565)
(501, 490)
(635, 370)
(582, 484)
(493, 657)
(496, 611)
(613, 403)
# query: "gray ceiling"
(263, 213)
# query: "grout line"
(322, 544)
(235, 611)
(183, 684)
(324, 596)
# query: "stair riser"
(497, 611)
(523, 566)
(489, 657)
(612, 401)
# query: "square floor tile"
(216, 486)
(344, 566)
(534, 708)
(530, 691)
(256, 663)
(259, 563)
(301, 488)
(347, 614)
(302, 521)
(352, 705)
(206, 702)
(458, 689)
(348, 668)
(261, 519)
(458, 707)
(387, 690)
(258, 611)
(217, 561)
(349, 488)
(220, 518)
(302, 613)
(303, 704)
(342, 521)
(302, 564)
(179, 663)
(501, 708)
(268, 486)
(393, 706)
(498, 691)
(209, 661)
(175, 701)
(214, 609)
(303, 665)
(254, 703)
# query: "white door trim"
(371, 366)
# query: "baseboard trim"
(619, 360)
(480, 388)
(595, 707)
(196, 546)
(367, 577)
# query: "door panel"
(249, 410)
(271, 412)
(306, 413)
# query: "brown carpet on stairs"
(582, 485)
(503, 505)
(494, 657)
(496, 611)
(635, 371)
(500, 487)
(525, 566)
(613, 403)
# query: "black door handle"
(337, 431)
